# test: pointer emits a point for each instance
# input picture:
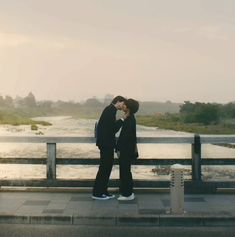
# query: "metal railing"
(196, 184)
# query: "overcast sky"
(146, 49)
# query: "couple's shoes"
(128, 198)
(106, 196)
(111, 196)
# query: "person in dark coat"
(107, 127)
(126, 148)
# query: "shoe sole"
(111, 197)
(122, 198)
(100, 199)
(125, 199)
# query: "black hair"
(132, 105)
(118, 98)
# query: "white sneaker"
(110, 196)
(101, 197)
(129, 198)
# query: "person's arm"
(118, 124)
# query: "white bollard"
(177, 189)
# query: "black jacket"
(126, 143)
(107, 128)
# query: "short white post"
(177, 189)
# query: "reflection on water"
(84, 127)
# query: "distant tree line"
(28, 101)
(206, 113)
(92, 107)
(166, 115)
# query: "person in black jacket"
(105, 140)
(126, 149)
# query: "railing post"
(196, 158)
(51, 161)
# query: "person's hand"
(126, 114)
(118, 154)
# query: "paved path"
(148, 209)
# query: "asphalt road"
(18, 230)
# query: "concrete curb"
(161, 220)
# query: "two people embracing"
(125, 146)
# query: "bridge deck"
(148, 209)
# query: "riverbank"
(171, 123)
(17, 118)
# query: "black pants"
(126, 181)
(103, 174)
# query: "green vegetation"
(204, 118)
(34, 127)
(166, 122)
(196, 118)
(17, 117)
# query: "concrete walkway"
(148, 209)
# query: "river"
(65, 125)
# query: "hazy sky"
(147, 49)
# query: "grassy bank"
(168, 121)
(18, 118)
(174, 123)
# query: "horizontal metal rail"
(189, 139)
(96, 161)
(91, 161)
